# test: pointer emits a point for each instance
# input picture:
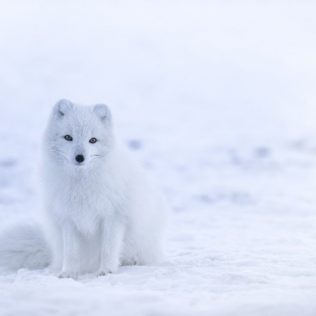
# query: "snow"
(217, 100)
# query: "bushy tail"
(24, 246)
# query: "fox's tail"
(24, 246)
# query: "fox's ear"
(62, 107)
(103, 112)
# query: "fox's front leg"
(71, 252)
(112, 233)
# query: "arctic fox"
(100, 210)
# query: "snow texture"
(217, 100)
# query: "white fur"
(103, 212)
(24, 246)
(99, 214)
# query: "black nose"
(80, 158)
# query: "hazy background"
(242, 69)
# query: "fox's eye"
(68, 138)
(93, 140)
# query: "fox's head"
(79, 136)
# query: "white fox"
(100, 209)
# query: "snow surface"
(217, 100)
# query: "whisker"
(60, 152)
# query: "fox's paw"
(106, 271)
(68, 275)
(103, 273)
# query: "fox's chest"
(84, 205)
